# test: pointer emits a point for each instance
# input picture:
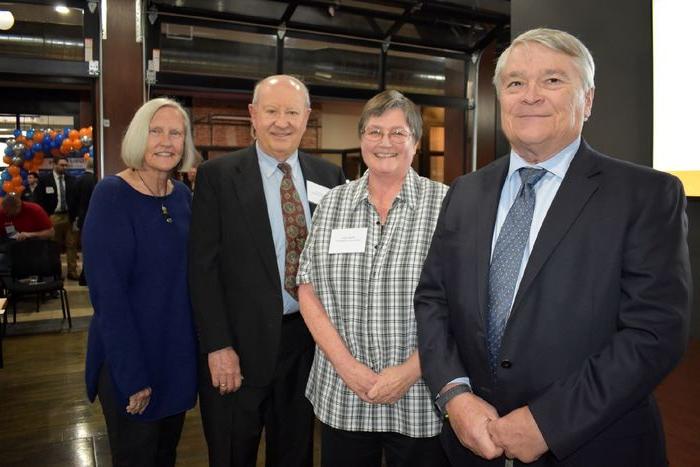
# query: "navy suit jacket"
(600, 317)
(234, 279)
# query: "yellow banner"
(691, 181)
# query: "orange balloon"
(55, 152)
(7, 187)
(16, 180)
(86, 156)
(77, 144)
(19, 189)
(38, 136)
(7, 159)
(83, 132)
(21, 139)
(52, 134)
(74, 134)
(13, 169)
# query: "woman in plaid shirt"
(357, 276)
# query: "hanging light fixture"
(7, 20)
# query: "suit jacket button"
(506, 364)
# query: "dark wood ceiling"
(454, 25)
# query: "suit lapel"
(249, 189)
(490, 186)
(576, 189)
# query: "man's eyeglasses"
(396, 135)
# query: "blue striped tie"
(506, 259)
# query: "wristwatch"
(442, 399)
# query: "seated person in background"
(21, 220)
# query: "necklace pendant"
(166, 214)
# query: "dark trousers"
(341, 448)
(233, 423)
(136, 442)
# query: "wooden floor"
(46, 420)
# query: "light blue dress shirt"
(272, 178)
(545, 191)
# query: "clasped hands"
(479, 428)
(385, 387)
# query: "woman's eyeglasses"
(396, 135)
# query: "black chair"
(35, 270)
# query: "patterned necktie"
(294, 228)
(507, 258)
(62, 192)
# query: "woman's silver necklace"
(163, 209)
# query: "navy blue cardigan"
(136, 268)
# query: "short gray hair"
(388, 100)
(559, 41)
(294, 81)
(135, 139)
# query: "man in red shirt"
(21, 220)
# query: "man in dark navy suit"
(57, 197)
(555, 296)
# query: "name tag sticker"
(10, 231)
(49, 190)
(348, 241)
(315, 192)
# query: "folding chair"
(35, 270)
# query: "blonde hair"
(135, 139)
(559, 41)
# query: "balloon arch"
(25, 152)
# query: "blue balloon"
(17, 132)
(92, 152)
(28, 155)
(30, 133)
(55, 143)
(23, 173)
(6, 175)
(66, 131)
(8, 151)
(59, 138)
(47, 138)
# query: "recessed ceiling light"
(6, 20)
(64, 10)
